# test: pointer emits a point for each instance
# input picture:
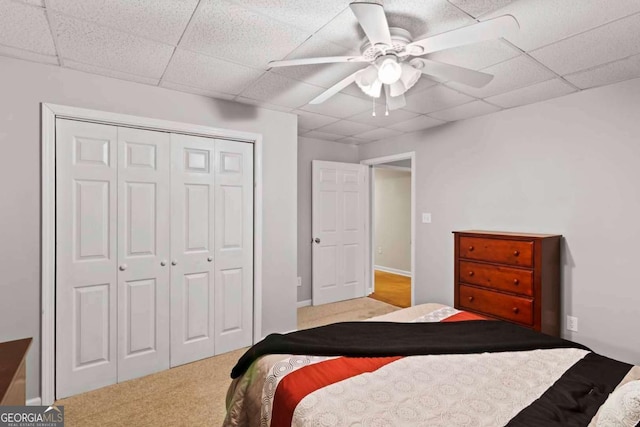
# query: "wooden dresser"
(509, 276)
(13, 378)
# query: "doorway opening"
(391, 230)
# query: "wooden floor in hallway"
(392, 289)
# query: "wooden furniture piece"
(509, 276)
(13, 355)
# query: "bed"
(429, 365)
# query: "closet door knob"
(123, 267)
(317, 240)
(163, 262)
(174, 262)
(209, 258)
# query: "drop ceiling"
(221, 48)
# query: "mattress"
(472, 389)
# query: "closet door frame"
(49, 114)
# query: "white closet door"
(86, 256)
(192, 248)
(143, 252)
(233, 245)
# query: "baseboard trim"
(304, 303)
(392, 270)
(36, 401)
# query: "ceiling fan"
(395, 66)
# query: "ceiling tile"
(323, 135)
(434, 99)
(543, 22)
(39, 3)
(461, 112)
(309, 17)
(280, 90)
(262, 104)
(307, 120)
(534, 93)
(417, 123)
(477, 55)
(160, 20)
(209, 73)
(325, 75)
(346, 128)
(229, 31)
(379, 133)
(110, 73)
(339, 105)
(353, 141)
(25, 27)
(608, 43)
(196, 91)
(425, 18)
(380, 120)
(27, 55)
(94, 45)
(480, 7)
(509, 75)
(625, 69)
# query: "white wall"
(392, 219)
(308, 150)
(24, 85)
(569, 165)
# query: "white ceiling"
(220, 48)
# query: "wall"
(25, 85)
(308, 150)
(567, 165)
(392, 226)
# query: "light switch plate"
(426, 218)
(572, 323)
(299, 281)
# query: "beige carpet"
(193, 394)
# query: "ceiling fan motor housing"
(399, 38)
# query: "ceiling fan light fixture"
(371, 87)
(389, 71)
(397, 88)
(410, 76)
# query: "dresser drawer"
(509, 279)
(514, 252)
(516, 309)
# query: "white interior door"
(338, 224)
(86, 256)
(233, 245)
(143, 252)
(192, 248)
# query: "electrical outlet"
(299, 281)
(572, 323)
(426, 218)
(379, 249)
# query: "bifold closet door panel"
(192, 248)
(86, 256)
(233, 245)
(144, 208)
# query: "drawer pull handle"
(516, 310)
(516, 253)
(470, 248)
(471, 273)
(470, 299)
(516, 281)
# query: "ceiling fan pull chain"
(374, 107)
(386, 110)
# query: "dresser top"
(506, 233)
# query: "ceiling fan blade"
(447, 72)
(310, 61)
(373, 21)
(334, 89)
(394, 102)
(502, 26)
